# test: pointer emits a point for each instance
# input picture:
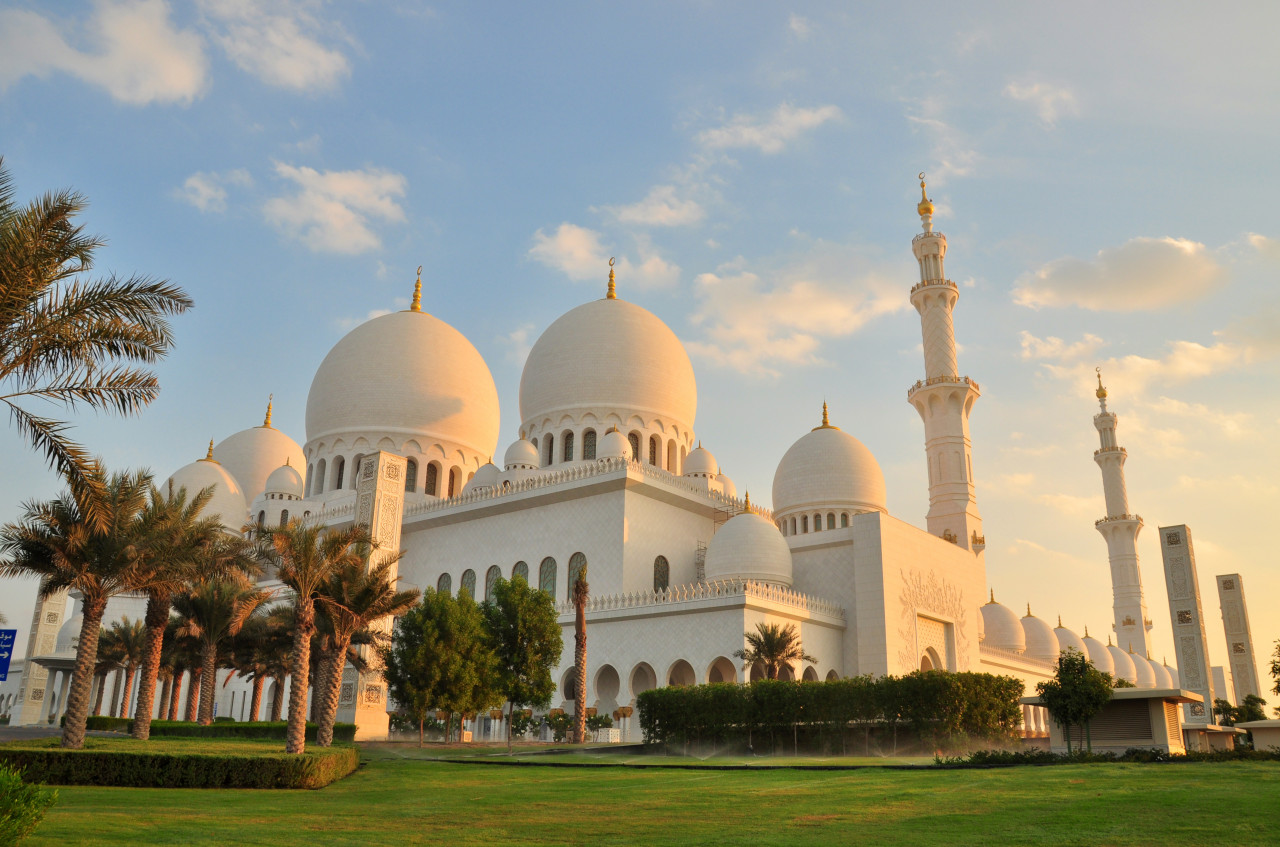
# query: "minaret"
(1120, 529)
(943, 398)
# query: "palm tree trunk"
(328, 692)
(580, 660)
(208, 681)
(77, 712)
(193, 695)
(164, 701)
(157, 617)
(126, 696)
(175, 693)
(102, 687)
(277, 699)
(300, 668)
(255, 705)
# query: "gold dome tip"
(208, 457)
(612, 293)
(266, 422)
(1101, 393)
(746, 502)
(826, 423)
(1086, 630)
(993, 598)
(1028, 614)
(1059, 621)
(925, 207)
(416, 305)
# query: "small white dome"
(1041, 641)
(700, 462)
(613, 445)
(284, 480)
(730, 490)
(486, 477)
(1146, 677)
(69, 634)
(1002, 627)
(1098, 654)
(251, 455)
(1068, 639)
(828, 468)
(1163, 679)
(749, 547)
(228, 501)
(1174, 676)
(521, 455)
(1123, 662)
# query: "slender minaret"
(943, 398)
(1120, 529)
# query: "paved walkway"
(18, 733)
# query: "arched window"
(844, 519)
(339, 465)
(468, 584)
(262, 519)
(547, 577)
(661, 574)
(318, 488)
(521, 570)
(653, 449)
(491, 577)
(831, 520)
(444, 584)
(284, 517)
(548, 450)
(355, 472)
(453, 481)
(589, 444)
(793, 526)
(433, 480)
(577, 564)
(804, 523)
(311, 475)
(817, 523)
(566, 446)
(411, 476)
(671, 456)
(634, 438)
(306, 514)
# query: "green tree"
(72, 340)
(1076, 694)
(773, 647)
(60, 544)
(1224, 712)
(1251, 709)
(527, 643)
(353, 598)
(1275, 669)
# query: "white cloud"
(1073, 505)
(1232, 425)
(757, 327)
(662, 207)
(1049, 101)
(1056, 348)
(769, 134)
(954, 154)
(1128, 376)
(577, 252)
(518, 343)
(131, 49)
(346, 324)
(332, 211)
(1142, 273)
(276, 42)
(205, 191)
(799, 26)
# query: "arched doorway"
(607, 685)
(722, 670)
(642, 679)
(681, 673)
(931, 661)
(810, 674)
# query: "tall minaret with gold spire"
(943, 398)
(1120, 529)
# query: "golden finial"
(266, 422)
(926, 205)
(1130, 648)
(1108, 640)
(288, 461)
(1059, 621)
(826, 423)
(416, 305)
(208, 457)
(746, 502)
(1029, 610)
(1086, 630)
(993, 598)
(613, 288)
(1101, 392)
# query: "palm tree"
(580, 595)
(58, 542)
(71, 340)
(177, 545)
(131, 638)
(213, 611)
(773, 647)
(110, 655)
(303, 556)
(353, 598)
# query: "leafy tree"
(1076, 694)
(1275, 668)
(1251, 709)
(70, 340)
(439, 658)
(58, 542)
(527, 643)
(773, 647)
(580, 594)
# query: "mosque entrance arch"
(607, 686)
(722, 670)
(642, 679)
(681, 673)
(931, 661)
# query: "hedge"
(146, 769)
(993, 758)
(929, 710)
(274, 730)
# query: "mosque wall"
(654, 528)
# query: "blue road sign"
(7, 638)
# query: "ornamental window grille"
(262, 519)
(319, 485)
(661, 574)
(491, 578)
(566, 446)
(521, 570)
(589, 444)
(804, 523)
(653, 449)
(284, 517)
(831, 520)
(433, 479)
(468, 584)
(548, 450)
(577, 564)
(411, 476)
(339, 465)
(444, 584)
(453, 481)
(634, 438)
(547, 577)
(844, 519)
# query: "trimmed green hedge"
(927, 710)
(147, 769)
(103, 723)
(274, 730)
(992, 758)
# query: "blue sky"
(1105, 177)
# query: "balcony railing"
(1117, 519)
(934, 282)
(942, 380)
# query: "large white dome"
(749, 547)
(1098, 654)
(1068, 639)
(250, 455)
(1123, 663)
(228, 501)
(1042, 642)
(609, 357)
(828, 468)
(1002, 628)
(407, 373)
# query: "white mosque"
(607, 472)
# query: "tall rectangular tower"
(46, 620)
(1235, 623)
(1186, 616)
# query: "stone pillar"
(1187, 618)
(1235, 623)
(379, 487)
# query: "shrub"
(103, 723)
(141, 767)
(1142, 755)
(22, 806)
(273, 730)
(560, 725)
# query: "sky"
(1104, 173)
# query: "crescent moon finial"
(612, 293)
(610, 261)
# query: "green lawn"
(399, 797)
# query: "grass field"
(402, 797)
